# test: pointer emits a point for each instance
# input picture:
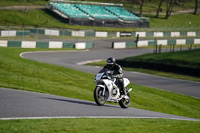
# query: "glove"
(114, 76)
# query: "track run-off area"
(18, 104)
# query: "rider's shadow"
(79, 102)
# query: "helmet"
(110, 62)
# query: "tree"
(176, 2)
(170, 5)
(159, 7)
(141, 6)
(196, 7)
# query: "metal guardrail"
(154, 29)
(37, 33)
(170, 29)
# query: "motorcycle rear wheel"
(125, 103)
(99, 99)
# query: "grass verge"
(22, 2)
(44, 18)
(19, 73)
(24, 74)
(180, 20)
(85, 125)
(187, 58)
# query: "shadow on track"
(81, 102)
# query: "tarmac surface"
(18, 104)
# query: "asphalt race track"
(18, 104)
(23, 104)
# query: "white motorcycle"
(107, 90)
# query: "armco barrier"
(119, 45)
(8, 33)
(101, 34)
(22, 33)
(89, 33)
(131, 44)
(83, 45)
(55, 44)
(28, 44)
(14, 44)
(89, 45)
(166, 34)
(52, 32)
(43, 44)
(65, 33)
(40, 44)
(13, 33)
(77, 33)
(68, 45)
(142, 43)
(3, 43)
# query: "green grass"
(189, 59)
(31, 18)
(41, 18)
(84, 125)
(181, 20)
(162, 101)
(22, 2)
(19, 73)
(152, 6)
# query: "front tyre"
(124, 103)
(98, 96)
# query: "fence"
(36, 33)
(11, 33)
(172, 48)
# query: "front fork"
(104, 89)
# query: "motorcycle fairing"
(111, 86)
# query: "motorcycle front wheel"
(98, 96)
(124, 103)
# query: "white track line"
(21, 54)
(100, 117)
(89, 61)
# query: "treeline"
(172, 3)
(27, 0)
(169, 5)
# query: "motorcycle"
(107, 90)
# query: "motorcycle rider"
(116, 72)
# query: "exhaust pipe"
(126, 97)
